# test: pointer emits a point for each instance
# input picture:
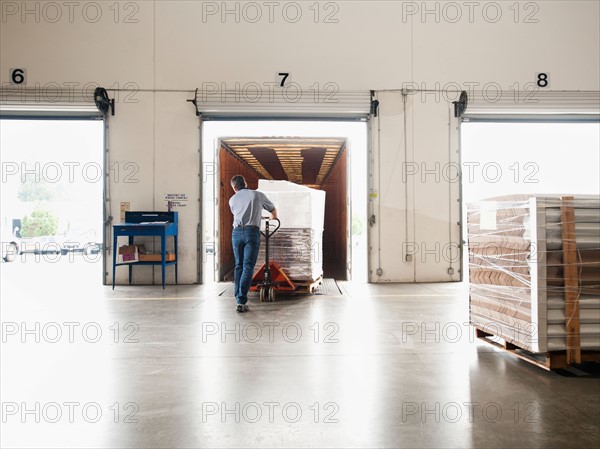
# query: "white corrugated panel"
(291, 101)
(48, 101)
(535, 104)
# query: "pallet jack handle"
(267, 235)
(268, 232)
(270, 277)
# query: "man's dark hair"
(238, 182)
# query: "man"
(246, 206)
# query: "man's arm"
(268, 204)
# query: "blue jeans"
(246, 242)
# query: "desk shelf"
(172, 262)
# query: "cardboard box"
(128, 254)
(150, 257)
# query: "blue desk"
(155, 224)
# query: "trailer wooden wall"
(229, 166)
(335, 233)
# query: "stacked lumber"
(534, 270)
(297, 246)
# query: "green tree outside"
(40, 223)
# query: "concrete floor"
(382, 366)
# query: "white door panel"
(414, 190)
(436, 189)
(388, 211)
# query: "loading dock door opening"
(51, 199)
(318, 163)
(505, 158)
(344, 243)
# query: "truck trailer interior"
(319, 163)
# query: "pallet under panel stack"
(534, 274)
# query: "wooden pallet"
(300, 288)
(308, 286)
(549, 361)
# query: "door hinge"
(374, 108)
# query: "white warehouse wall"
(163, 50)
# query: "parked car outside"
(11, 245)
(47, 244)
(81, 242)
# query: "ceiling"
(300, 160)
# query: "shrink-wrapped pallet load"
(297, 247)
(520, 286)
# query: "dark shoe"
(246, 308)
(240, 308)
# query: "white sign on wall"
(177, 200)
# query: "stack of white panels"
(298, 245)
(516, 270)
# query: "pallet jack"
(270, 277)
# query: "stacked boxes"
(516, 270)
(298, 245)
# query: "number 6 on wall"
(17, 76)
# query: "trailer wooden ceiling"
(305, 161)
